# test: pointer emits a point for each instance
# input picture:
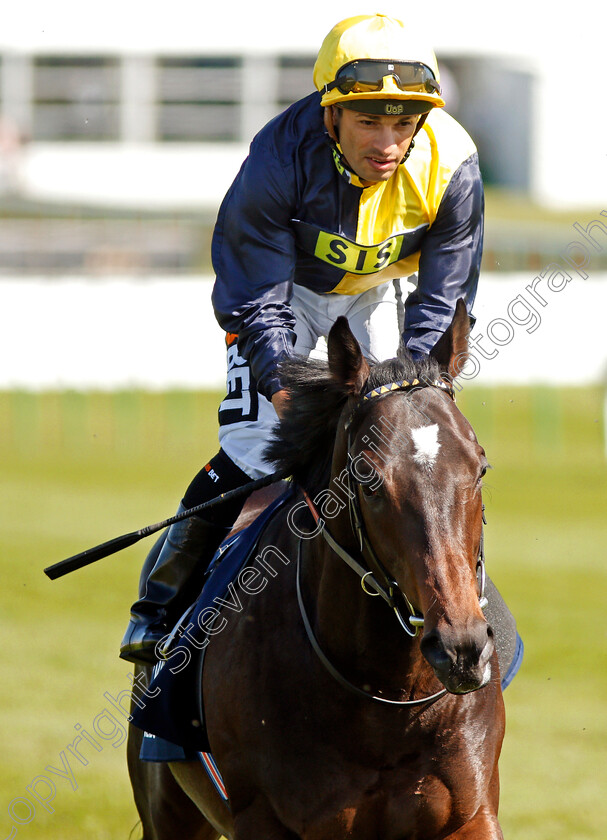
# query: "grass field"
(77, 469)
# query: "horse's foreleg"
(194, 781)
(257, 821)
(483, 826)
(164, 809)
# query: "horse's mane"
(302, 443)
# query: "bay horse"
(359, 695)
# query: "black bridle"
(375, 579)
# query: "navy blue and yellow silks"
(296, 214)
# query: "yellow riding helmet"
(375, 63)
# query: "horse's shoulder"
(257, 502)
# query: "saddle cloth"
(171, 713)
(171, 709)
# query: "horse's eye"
(370, 490)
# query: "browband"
(405, 385)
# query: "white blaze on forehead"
(425, 440)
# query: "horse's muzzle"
(461, 659)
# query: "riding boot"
(174, 582)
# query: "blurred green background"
(79, 468)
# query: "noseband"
(375, 579)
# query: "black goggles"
(367, 74)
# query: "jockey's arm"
(450, 260)
(254, 259)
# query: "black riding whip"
(91, 555)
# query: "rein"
(337, 675)
(371, 575)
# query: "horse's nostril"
(459, 652)
(434, 651)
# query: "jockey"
(362, 182)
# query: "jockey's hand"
(279, 401)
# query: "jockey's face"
(373, 145)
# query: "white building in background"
(155, 130)
(153, 105)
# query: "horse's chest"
(330, 768)
(393, 805)
(326, 794)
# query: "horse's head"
(415, 470)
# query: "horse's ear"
(451, 350)
(347, 364)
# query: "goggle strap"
(328, 88)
